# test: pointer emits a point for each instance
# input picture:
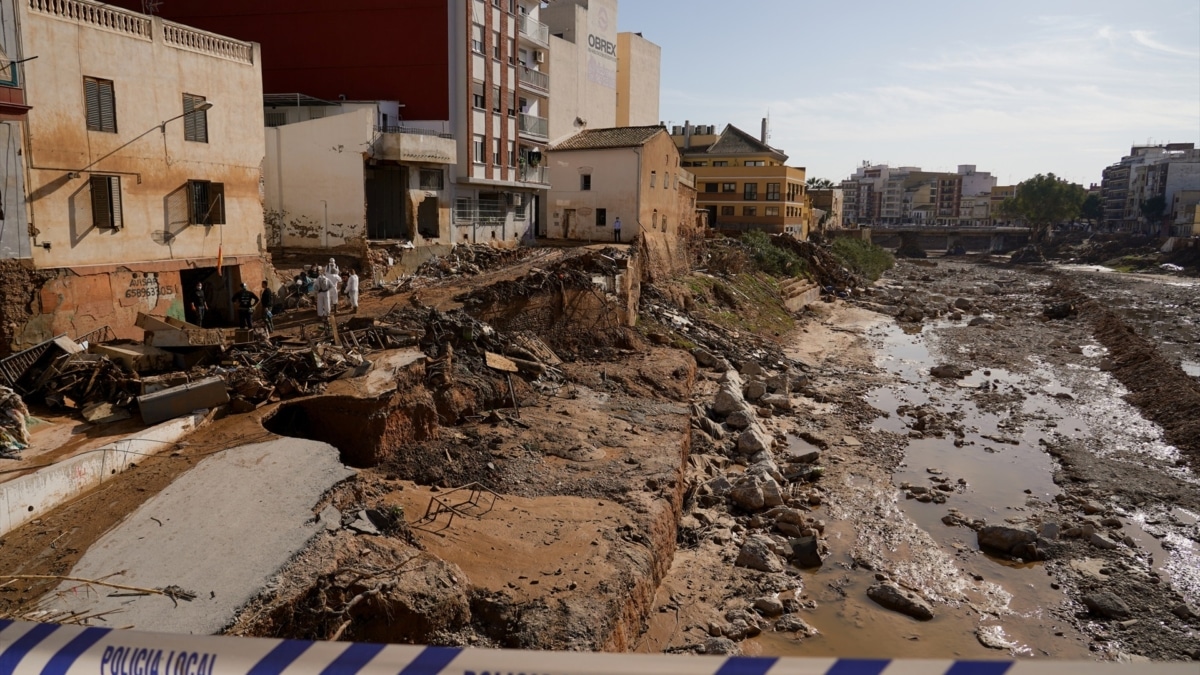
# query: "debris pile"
(470, 259)
(14, 434)
(597, 268)
(823, 267)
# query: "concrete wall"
(14, 224)
(615, 188)
(583, 74)
(34, 495)
(313, 178)
(150, 71)
(639, 62)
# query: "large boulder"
(807, 552)
(740, 419)
(704, 357)
(1107, 605)
(756, 554)
(754, 440)
(899, 600)
(777, 401)
(728, 401)
(747, 493)
(755, 390)
(1006, 539)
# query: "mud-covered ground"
(1061, 444)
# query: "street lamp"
(200, 108)
(162, 126)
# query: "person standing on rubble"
(332, 268)
(246, 300)
(335, 280)
(322, 285)
(198, 303)
(352, 290)
(617, 229)
(267, 297)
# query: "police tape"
(51, 649)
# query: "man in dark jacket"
(197, 302)
(245, 301)
(267, 297)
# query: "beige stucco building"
(631, 173)
(141, 157)
(639, 65)
(341, 173)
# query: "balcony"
(534, 174)
(534, 127)
(534, 31)
(405, 144)
(533, 80)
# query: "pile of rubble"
(470, 259)
(580, 272)
(823, 266)
(14, 432)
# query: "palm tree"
(819, 184)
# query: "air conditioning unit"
(539, 56)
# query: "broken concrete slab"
(137, 358)
(197, 337)
(183, 399)
(221, 531)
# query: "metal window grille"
(206, 202)
(101, 105)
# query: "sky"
(1014, 87)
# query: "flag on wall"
(220, 258)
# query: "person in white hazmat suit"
(322, 286)
(335, 280)
(352, 290)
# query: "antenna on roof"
(151, 6)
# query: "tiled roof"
(614, 137)
(734, 141)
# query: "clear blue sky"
(1015, 87)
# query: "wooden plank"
(501, 363)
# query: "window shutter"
(91, 94)
(108, 107)
(114, 191)
(193, 189)
(101, 204)
(216, 204)
(189, 118)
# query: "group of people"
(323, 283)
(326, 284)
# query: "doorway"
(568, 223)
(712, 216)
(218, 293)
(385, 202)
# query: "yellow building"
(743, 183)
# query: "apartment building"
(1147, 172)
(829, 202)
(639, 66)
(884, 195)
(132, 169)
(742, 182)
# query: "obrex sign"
(603, 46)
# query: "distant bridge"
(994, 239)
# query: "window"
(195, 122)
(477, 99)
(512, 104)
(601, 217)
(772, 192)
(432, 179)
(478, 148)
(512, 153)
(727, 210)
(101, 105)
(728, 187)
(654, 220)
(585, 181)
(771, 211)
(664, 222)
(512, 51)
(653, 178)
(206, 203)
(666, 181)
(710, 187)
(749, 210)
(496, 44)
(720, 163)
(477, 38)
(497, 101)
(497, 155)
(750, 192)
(756, 162)
(106, 201)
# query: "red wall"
(393, 50)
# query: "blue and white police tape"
(51, 649)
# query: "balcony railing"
(531, 125)
(536, 31)
(96, 14)
(533, 79)
(533, 174)
(188, 38)
(391, 129)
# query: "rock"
(1102, 542)
(753, 440)
(704, 357)
(769, 606)
(752, 369)
(756, 554)
(718, 645)
(1107, 605)
(715, 630)
(790, 529)
(361, 523)
(1059, 310)
(732, 379)
(1005, 538)
(1049, 531)
(962, 303)
(899, 600)
(949, 372)
(740, 419)
(794, 624)
(1092, 507)
(990, 289)
(980, 321)
(772, 493)
(777, 401)
(755, 390)
(1107, 365)
(330, 517)
(807, 552)
(1186, 612)
(792, 516)
(711, 428)
(728, 401)
(992, 637)
(748, 494)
